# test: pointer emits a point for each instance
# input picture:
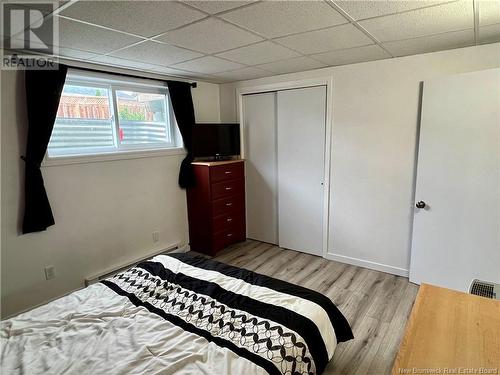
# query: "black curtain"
(43, 91)
(182, 101)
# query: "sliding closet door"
(259, 113)
(301, 145)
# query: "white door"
(259, 129)
(301, 148)
(456, 236)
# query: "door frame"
(327, 81)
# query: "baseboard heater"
(175, 248)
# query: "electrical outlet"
(156, 236)
(50, 272)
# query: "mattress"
(177, 314)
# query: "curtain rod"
(193, 84)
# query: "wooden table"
(450, 332)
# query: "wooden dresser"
(450, 332)
(216, 206)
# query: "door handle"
(420, 204)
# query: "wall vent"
(484, 289)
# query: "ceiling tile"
(71, 53)
(210, 36)
(75, 54)
(431, 43)
(43, 9)
(217, 6)
(121, 62)
(259, 53)
(345, 36)
(156, 53)
(19, 42)
(207, 65)
(194, 76)
(277, 18)
(439, 19)
(292, 65)
(35, 17)
(90, 38)
(489, 12)
(243, 74)
(352, 55)
(145, 18)
(489, 34)
(166, 70)
(367, 9)
(183, 73)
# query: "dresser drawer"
(227, 188)
(225, 172)
(226, 221)
(233, 205)
(233, 234)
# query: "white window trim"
(111, 156)
(113, 83)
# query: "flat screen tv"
(217, 141)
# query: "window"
(100, 114)
(143, 118)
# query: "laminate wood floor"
(376, 304)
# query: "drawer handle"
(229, 188)
(229, 219)
(229, 204)
(228, 172)
(229, 234)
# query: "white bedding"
(177, 314)
(96, 331)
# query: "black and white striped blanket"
(279, 327)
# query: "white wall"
(375, 118)
(105, 212)
(206, 102)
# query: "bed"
(177, 313)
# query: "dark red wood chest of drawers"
(216, 206)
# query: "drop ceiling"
(224, 41)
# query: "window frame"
(114, 83)
(168, 114)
